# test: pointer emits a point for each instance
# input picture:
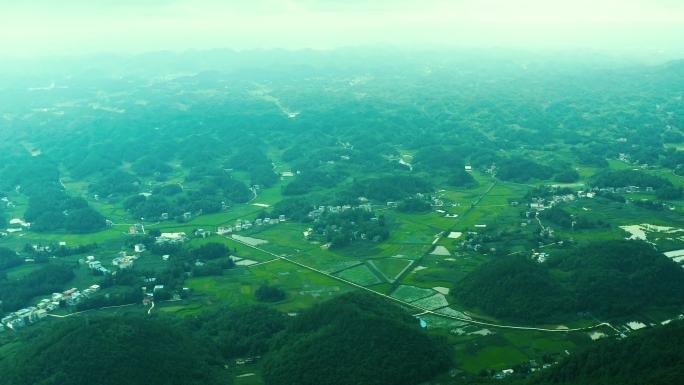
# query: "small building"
(139, 248)
(123, 262)
(201, 233)
(172, 237)
(223, 230)
(74, 299)
(40, 314)
(537, 205)
(137, 228)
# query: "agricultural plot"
(416, 228)
(286, 234)
(323, 259)
(437, 322)
(411, 293)
(440, 250)
(402, 250)
(360, 275)
(249, 240)
(452, 313)
(433, 302)
(339, 266)
(112, 235)
(391, 268)
(304, 288)
(490, 357)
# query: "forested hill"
(119, 126)
(112, 351)
(605, 278)
(353, 339)
(653, 357)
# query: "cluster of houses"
(532, 366)
(539, 257)
(33, 314)
(540, 204)
(148, 291)
(245, 224)
(316, 213)
(15, 225)
(121, 261)
(8, 204)
(624, 190)
(96, 266)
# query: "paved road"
(84, 311)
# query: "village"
(32, 314)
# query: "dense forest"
(347, 341)
(515, 288)
(350, 335)
(112, 350)
(653, 357)
(604, 278)
(47, 279)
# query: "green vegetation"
(413, 205)
(566, 220)
(112, 350)
(619, 277)
(626, 178)
(514, 288)
(243, 331)
(313, 350)
(652, 357)
(522, 170)
(266, 293)
(605, 278)
(390, 188)
(354, 225)
(44, 280)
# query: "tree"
(266, 293)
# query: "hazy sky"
(85, 26)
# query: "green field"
(361, 275)
(391, 268)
